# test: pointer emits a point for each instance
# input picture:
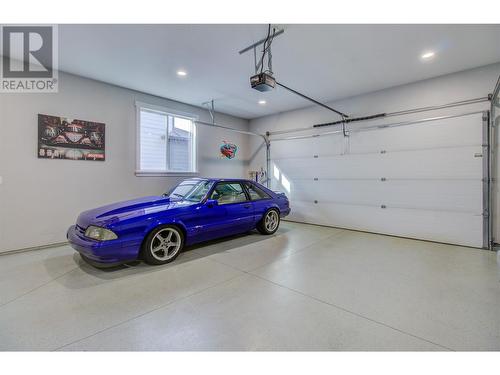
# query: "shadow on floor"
(189, 254)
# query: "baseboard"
(34, 248)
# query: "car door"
(232, 213)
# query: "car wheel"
(163, 245)
(269, 222)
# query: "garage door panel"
(464, 196)
(421, 181)
(454, 132)
(448, 132)
(364, 192)
(455, 228)
(444, 195)
(306, 147)
(450, 163)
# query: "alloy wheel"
(271, 221)
(165, 244)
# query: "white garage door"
(423, 180)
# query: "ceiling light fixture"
(262, 102)
(181, 73)
(428, 55)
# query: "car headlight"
(100, 234)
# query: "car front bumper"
(106, 253)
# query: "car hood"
(113, 213)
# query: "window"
(191, 190)
(229, 192)
(256, 193)
(166, 142)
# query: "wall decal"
(228, 150)
(63, 138)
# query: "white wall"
(469, 84)
(40, 198)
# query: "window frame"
(268, 197)
(167, 111)
(212, 190)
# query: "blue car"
(155, 229)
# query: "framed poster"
(63, 138)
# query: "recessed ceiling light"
(428, 55)
(262, 102)
(182, 73)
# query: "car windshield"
(191, 190)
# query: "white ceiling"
(327, 62)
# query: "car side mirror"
(212, 203)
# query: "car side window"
(256, 193)
(228, 192)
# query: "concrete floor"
(305, 288)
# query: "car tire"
(163, 245)
(270, 222)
